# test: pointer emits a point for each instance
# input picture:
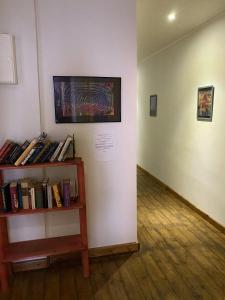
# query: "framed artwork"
(82, 99)
(8, 72)
(153, 105)
(205, 103)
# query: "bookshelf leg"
(1, 183)
(4, 272)
(85, 263)
(1, 177)
(9, 267)
(83, 231)
(4, 277)
(83, 220)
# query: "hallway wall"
(186, 154)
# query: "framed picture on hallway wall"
(84, 99)
(153, 105)
(205, 103)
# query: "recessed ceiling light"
(171, 17)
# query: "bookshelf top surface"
(71, 162)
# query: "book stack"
(28, 194)
(39, 150)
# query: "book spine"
(56, 195)
(49, 191)
(25, 195)
(56, 153)
(32, 194)
(6, 198)
(20, 196)
(7, 157)
(25, 153)
(26, 202)
(3, 204)
(66, 192)
(14, 197)
(74, 152)
(66, 145)
(38, 157)
(13, 152)
(16, 154)
(39, 196)
(25, 145)
(45, 195)
(29, 198)
(28, 156)
(49, 152)
(6, 152)
(36, 152)
(6, 144)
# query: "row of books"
(39, 150)
(28, 194)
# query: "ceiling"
(155, 32)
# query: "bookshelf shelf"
(43, 247)
(10, 252)
(71, 162)
(40, 210)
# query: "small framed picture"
(205, 103)
(153, 105)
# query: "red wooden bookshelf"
(11, 252)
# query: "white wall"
(186, 154)
(19, 104)
(92, 38)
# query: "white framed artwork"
(7, 59)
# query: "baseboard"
(114, 250)
(45, 262)
(206, 217)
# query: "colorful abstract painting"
(205, 103)
(87, 99)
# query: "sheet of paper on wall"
(104, 146)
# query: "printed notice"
(104, 146)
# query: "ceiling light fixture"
(171, 17)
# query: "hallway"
(186, 255)
(182, 257)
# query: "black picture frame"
(87, 99)
(205, 103)
(153, 105)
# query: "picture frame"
(153, 105)
(205, 103)
(87, 99)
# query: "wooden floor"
(182, 257)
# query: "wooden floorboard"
(182, 257)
